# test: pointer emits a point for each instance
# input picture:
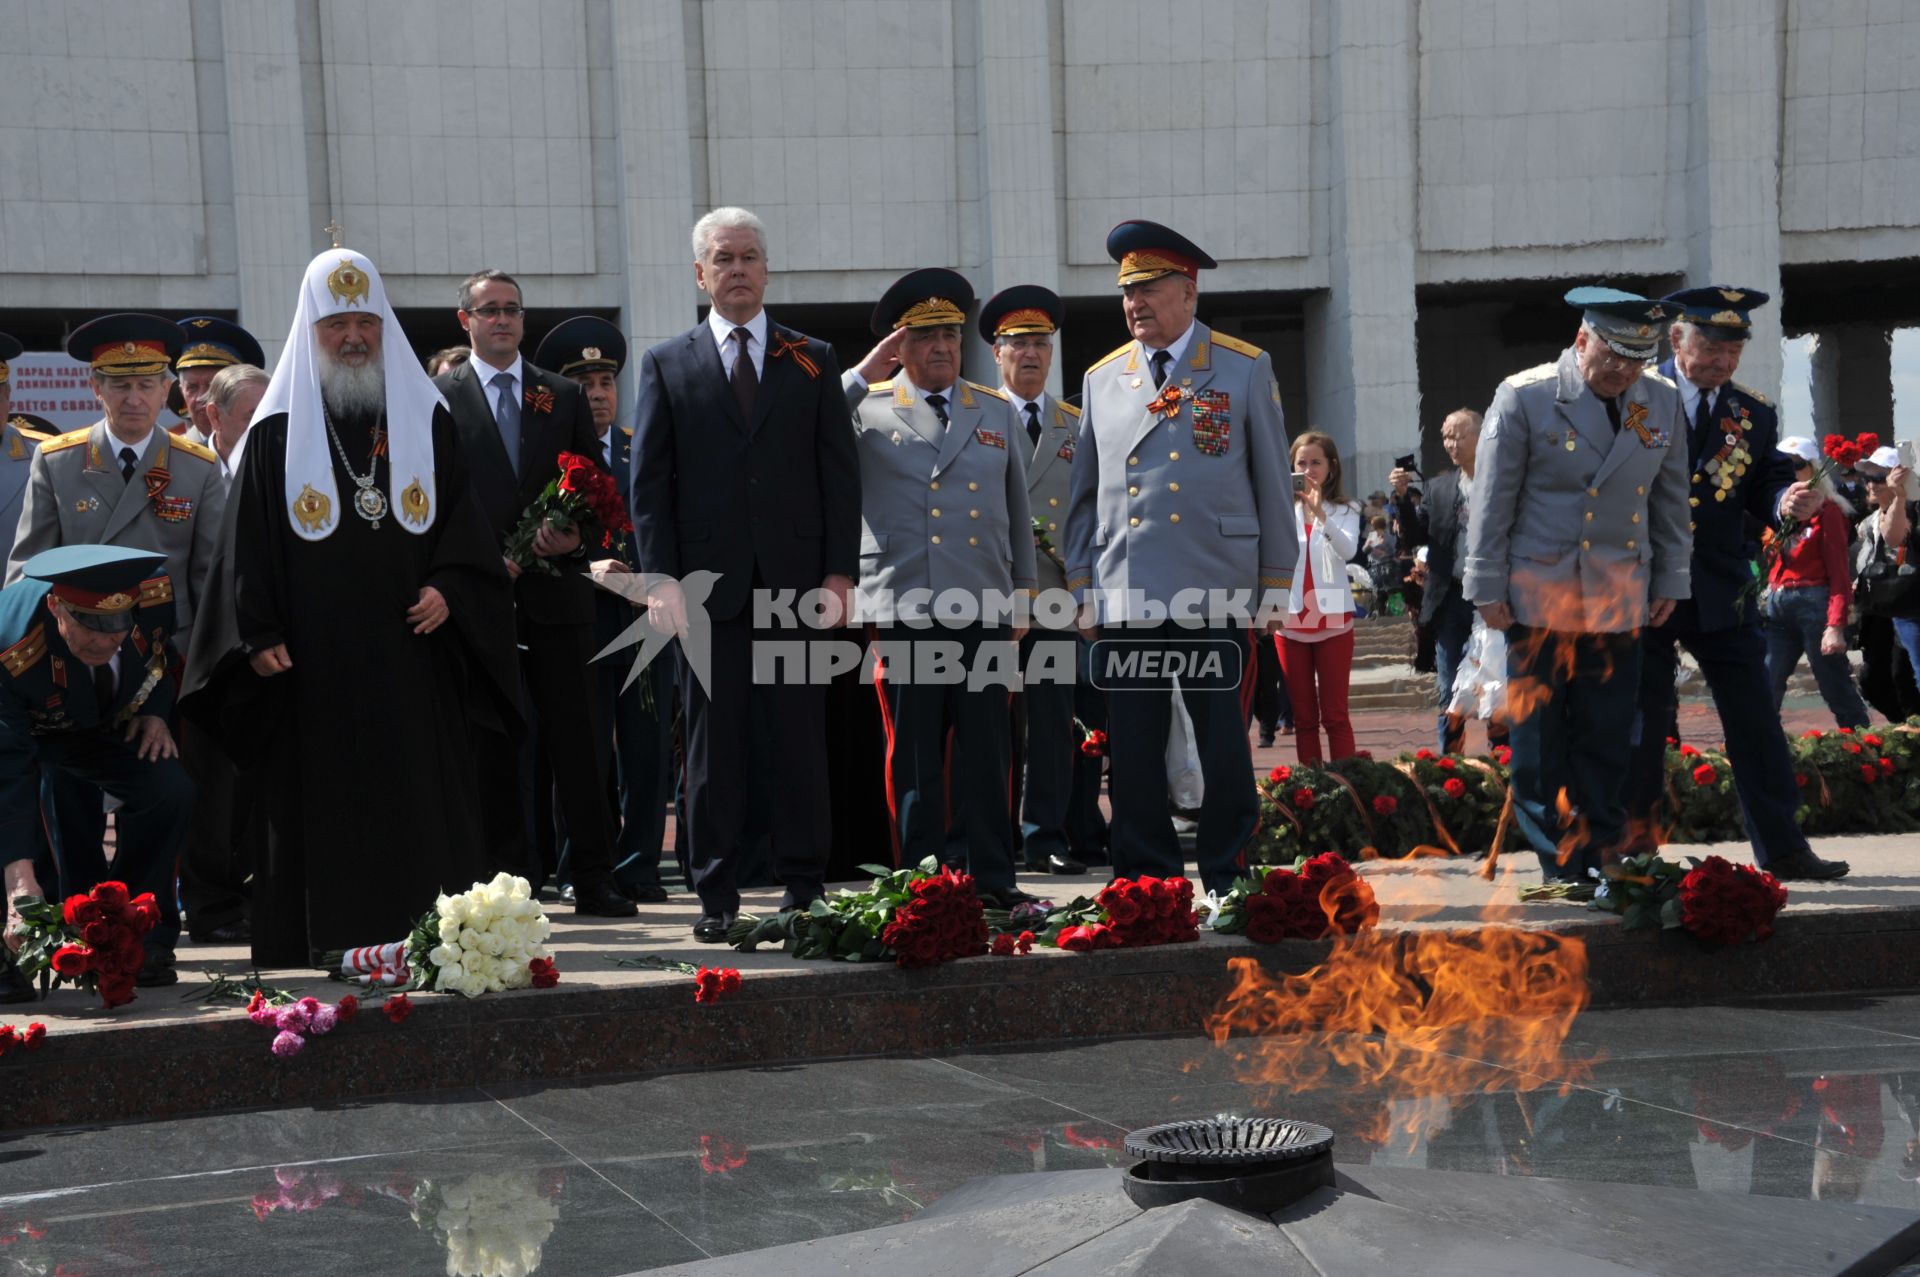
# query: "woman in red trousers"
(1316, 642)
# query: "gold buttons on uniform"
(1691, 525)
(1134, 522)
(1584, 545)
(935, 485)
(973, 540)
(1593, 492)
(936, 539)
(1133, 461)
(1697, 479)
(973, 514)
(1053, 500)
(1633, 545)
(1053, 527)
(1589, 516)
(1693, 500)
(1640, 491)
(973, 487)
(1635, 519)
(1173, 456)
(936, 512)
(1173, 518)
(1173, 487)
(1133, 492)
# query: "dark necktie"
(1033, 423)
(506, 415)
(939, 405)
(127, 462)
(1702, 422)
(1160, 360)
(745, 384)
(103, 689)
(1613, 414)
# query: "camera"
(1408, 463)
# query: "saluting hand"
(882, 359)
(155, 741)
(430, 613)
(270, 661)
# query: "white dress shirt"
(1177, 350)
(488, 372)
(722, 329)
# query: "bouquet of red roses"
(583, 494)
(1127, 913)
(942, 920)
(1318, 897)
(915, 917)
(96, 941)
(1725, 903)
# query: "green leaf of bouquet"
(1635, 916)
(820, 908)
(876, 871)
(1670, 913)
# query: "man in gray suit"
(1180, 508)
(1020, 322)
(1577, 537)
(943, 511)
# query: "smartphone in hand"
(1299, 484)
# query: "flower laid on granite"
(398, 1008)
(1644, 890)
(1006, 944)
(294, 1020)
(1127, 913)
(96, 941)
(545, 973)
(710, 983)
(27, 1039)
(914, 917)
(483, 940)
(1725, 903)
(1319, 897)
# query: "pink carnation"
(293, 1019)
(324, 1018)
(287, 1043)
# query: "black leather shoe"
(14, 985)
(652, 894)
(712, 928)
(1266, 739)
(235, 932)
(1056, 864)
(157, 973)
(1804, 866)
(600, 900)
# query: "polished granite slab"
(1813, 1099)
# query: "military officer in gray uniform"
(943, 495)
(1179, 484)
(1577, 538)
(1020, 322)
(212, 343)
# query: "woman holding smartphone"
(1316, 642)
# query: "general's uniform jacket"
(44, 689)
(16, 463)
(940, 509)
(1049, 486)
(1195, 496)
(1571, 525)
(1736, 471)
(172, 506)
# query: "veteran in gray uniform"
(1179, 484)
(1578, 537)
(943, 495)
(1020, 323)
(122, 481)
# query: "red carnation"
(1502, 754)
(1423, 754)
(1868, 442)
(36, 1034)
(347, 1008)
(1024, 943)
(398, 1008)
(1280, 775)
(1688, 751)
(1704, 775)
(1871, 739)
(1810, 734)
(1846, 731)
(1303, 798)
(1455, 787)
(1886, 767)
(1449, 763)
(1868, 773)
(1002, 946)
(1385, 805)
(545, 973)
(1800, 779)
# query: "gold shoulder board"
(1110, 356)
(183, 444)
(1752, 394)
(1067, 408)
(1237, 346)
(22, 655)
(71, 439)
(1001, 395)
(880, 387)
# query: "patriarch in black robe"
(355, 655)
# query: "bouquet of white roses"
(488, 938)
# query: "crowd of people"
(355, 654)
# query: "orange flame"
(1412, 1018)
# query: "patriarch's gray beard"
(351, 391)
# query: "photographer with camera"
(1442, 527)
(1886, 560)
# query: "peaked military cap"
(213, 342)
(34, 427)
(1148, 250)
(1627, 322)
(1719, 312)
(127, 345)
(932, 297)
(100, 584)
(9, 350)
(1024, 308)
(582, 344)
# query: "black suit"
(767, 499)
(555, 619)
(1444, 610)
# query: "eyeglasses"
(491, 313)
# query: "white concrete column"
(1021, 180)
(1733, 166)
(1362, 379)
(1852, 381)
(266, 120)
(656, 171)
